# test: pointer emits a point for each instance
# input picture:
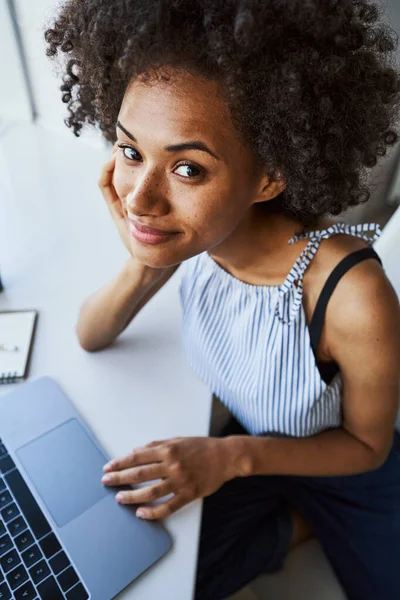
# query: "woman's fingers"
(134, 475)
(113, 201)
(105, 179)
(106, 186)
(138, 456)
(164, 509)
(144, 494)
(108, 168)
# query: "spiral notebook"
(17, 330)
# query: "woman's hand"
(189, 468)
(113, 201)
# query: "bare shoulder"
(363, 301)
(333, 250)
(330, 253)
(363, 327)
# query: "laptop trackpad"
(65, 466)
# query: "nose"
(147, 198)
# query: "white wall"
(14, 103)
(33, 17)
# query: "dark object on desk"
(1, 285)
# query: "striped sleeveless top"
(251, 344)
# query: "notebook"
(17, 329)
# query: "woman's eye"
(130, 153)
(189, 171)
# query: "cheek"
(211, 222)
(218, 214)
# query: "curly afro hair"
(312, 85)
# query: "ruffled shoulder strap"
(340, 228)
(297, 271)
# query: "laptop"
(62, 533)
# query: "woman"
(240, 130)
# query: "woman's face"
(200, 193)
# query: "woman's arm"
(363, 334)
(106, 313)
(363, 331)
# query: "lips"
(150, 230)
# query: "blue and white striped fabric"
(251, 345)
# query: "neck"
(260, 240)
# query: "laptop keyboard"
(33, 564)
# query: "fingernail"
(140, 513)
(106, 478)
(119, 497)
(107, 467)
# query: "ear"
(269, 189)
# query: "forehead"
(183, 107)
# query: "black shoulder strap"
(345, 265)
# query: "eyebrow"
(191, 145)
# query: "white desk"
(58, 245)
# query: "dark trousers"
(246, 528)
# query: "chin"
(155, 260)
